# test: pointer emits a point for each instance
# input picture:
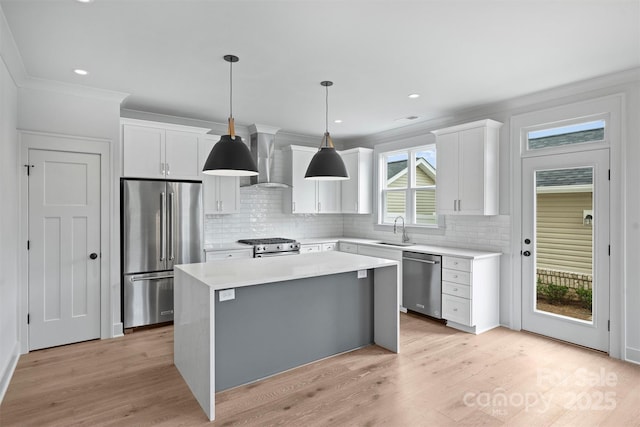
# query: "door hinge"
(28, 244)
(28, 318)
(28, 168)
(609, 250)
(609, 174)
(608, 325)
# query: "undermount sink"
(395, 244)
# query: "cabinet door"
(329, 197)
(143, 152)
(472, 173)
(228, 194)
(303, 191)
(181, 150)
(447, 186)
(209, 183)
(350, 193)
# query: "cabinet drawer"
(456, 289)
(216, 255)
(456, 276)
(307, 249)
(348, 247)
(329, 247)
(462, 264)
(456, 309)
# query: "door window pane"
(566, 135)
(564, 242)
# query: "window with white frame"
(407, 183)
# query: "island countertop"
(235, 273)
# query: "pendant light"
(327, 164)
(230, 156)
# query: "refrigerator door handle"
(143, 278)
(171, 227)
(163, 229)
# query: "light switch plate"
(362, 274)
(227, 294)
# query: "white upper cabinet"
(220, 194)
(357, 191)
(307, 196)
(468, 169)
(159, 150)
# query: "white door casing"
(593, 334)
(64, 232)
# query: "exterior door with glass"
(565, 247)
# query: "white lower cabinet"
(329, 246)
(351, 248)
(229, 254)
(307, 249)
(471, 293)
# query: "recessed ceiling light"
(337, 121)
(80, 72)
(414, 95)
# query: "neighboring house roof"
(564, 177)
(567, 139)
(399, 168)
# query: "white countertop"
(431, 249)
(234, 273)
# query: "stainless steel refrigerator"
(161, 224)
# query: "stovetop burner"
(270, 241)
(272, 247)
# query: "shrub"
(585, 296)
(555, 294)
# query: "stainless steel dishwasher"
(422, 283)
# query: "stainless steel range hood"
(263, 143)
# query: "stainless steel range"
(272, 247)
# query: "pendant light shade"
(327, 164)
(230, 156)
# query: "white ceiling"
(167, 54)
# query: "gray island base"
(277, 314)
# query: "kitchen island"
(240, 320)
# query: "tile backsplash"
(261, 215)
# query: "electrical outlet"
(227, 294)
(362, 274)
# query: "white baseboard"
(7, 374)
(118, 330)
(632, 355)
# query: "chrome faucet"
(405, 238)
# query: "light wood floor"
(441, 377)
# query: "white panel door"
(181, 154)
(64, 253)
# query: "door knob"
(526, 253)
(93, 255)
(527, 241)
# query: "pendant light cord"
(326, 103)
(231, 89)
